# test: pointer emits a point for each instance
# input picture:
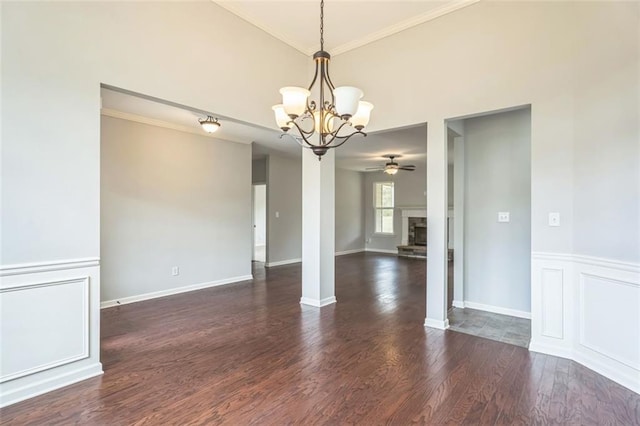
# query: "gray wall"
(167, 200)
(284, 196)
(409, 188)
(498, 178)
(259, 171)
(350, 202)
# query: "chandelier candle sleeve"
(336, 113)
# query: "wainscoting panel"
(597, 301)
(49, 328)
(30, 333)
(552, 288)
(610, 318)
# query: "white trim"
(623, 376)
(342, 253)
(496, 309)
(449, 7)
(433, 323)
(318, 303)
(572, 342)
(55, 265)
(282, 262)
(555, 350)
(47, 385)
(589, 260)
(375, 250)
(165, 124)
(458, 304)
(84, 354)
(172, 291)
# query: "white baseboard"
(457, 304)
(169, 292)
(318, 303)
(34, 389)
(440, 325)
(494, 309)
(375, 250)
(342, 253)
(555, 350)
(282, 262)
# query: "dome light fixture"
(209, 124)
(339, 109)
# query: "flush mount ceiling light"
(209, 124)
(337, 115)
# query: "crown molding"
(403, 25)
(451, 6)
(160, 123)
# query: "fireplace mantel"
(407, 212)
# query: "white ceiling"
(357, 154)
(347, 24)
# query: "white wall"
(579, 70)
(284, 199)
(167, 200)
(350, 203)
(409, 189)
(497, 256)
(54, 57)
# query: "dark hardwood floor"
(248, 353)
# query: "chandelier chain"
(322, 25)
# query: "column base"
(318, 303)
(439, 324)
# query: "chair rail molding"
(51, 311)
(588, 309)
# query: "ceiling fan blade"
(407, 168)
(374, 168)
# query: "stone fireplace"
(412, 219)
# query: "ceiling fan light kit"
(392, 167)
(338, 114)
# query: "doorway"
(259, 197)
(490, 184)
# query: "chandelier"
(337, 115)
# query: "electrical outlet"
(503, 217)
(175, 271)
(277, 214)
(554, 219)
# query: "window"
(383, 205)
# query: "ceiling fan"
(391, 167)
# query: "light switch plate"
(554, 219)
(503, 217)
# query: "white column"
(318, 229)
(437, 225)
